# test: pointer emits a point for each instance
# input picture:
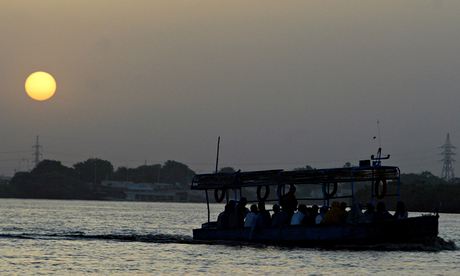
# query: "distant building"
(126, 190)
(4, 180)
(456, 181)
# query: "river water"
(95, 237)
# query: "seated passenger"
(334, 215)
(297, 217)
(381, 212)
(310, 216)
(322, 212)
(368, 215)
(401, 211)
(238, 214)
(343, 214)
(279, 217)
(263, 217)
(223, 219)
(242, 209)
(314, 210)
(251, 217)
(355, 215)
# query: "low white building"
(144, 191)
(4, 179)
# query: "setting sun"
(40, 86)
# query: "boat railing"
(301, 177)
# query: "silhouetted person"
(369, 214)
(263, 217)
(223, 220)
(343, 214)
(289, 202)
(322, 213)
(298, 217)
(251, 217)
(381, 212)
(279, 217)
(311, 217)
(401, 211)
(239, 213)
(355, 215)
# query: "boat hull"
(416, 229)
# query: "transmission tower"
(448, 160)
(37, 153)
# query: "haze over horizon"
(284, 83)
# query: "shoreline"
(200, 202)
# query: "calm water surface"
(91, 237)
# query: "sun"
(40, 86)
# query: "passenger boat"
(381, 178)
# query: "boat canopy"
(240, 179)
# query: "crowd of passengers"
(289, 212)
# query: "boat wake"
(435, 245)
(152, 238)
(438, 244)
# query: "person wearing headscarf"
(334, 215)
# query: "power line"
(14, 152)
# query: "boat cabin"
(271, 185)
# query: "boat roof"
(240, 179)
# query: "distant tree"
(227, 170)
(148, 173)
(121, 174)
(428, 175)
(347, 165)
(22, 185)
(50, 179)
(304, 190)
(144, 173)
(176, 172)
(306, 168)
(422, 192)
(94, 170)
(47, 166)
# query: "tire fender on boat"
(332, 193)
(217, 197)
(279, 191)
(380, 194)
(266, 194)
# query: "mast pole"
(207, 205)
(206, 191)
(217, 155)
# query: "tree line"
(51, 179)
(423, 192)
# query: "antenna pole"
(217, 156)
(377, 159)
(378, 133)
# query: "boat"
(382, 179)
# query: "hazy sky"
(285, 83)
